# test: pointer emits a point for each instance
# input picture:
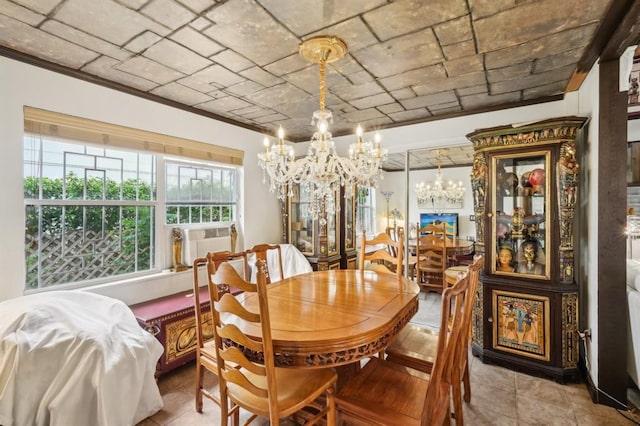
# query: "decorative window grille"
(91, 196)
(89, 212)
(200, 193)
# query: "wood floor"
(499, 397)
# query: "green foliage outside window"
(125, 232)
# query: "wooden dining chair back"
(379, 256)
(386, 393)
(248, 378)
(392, 232)
(431, 254)
(205, 347)
(416, 347)
(261, 252)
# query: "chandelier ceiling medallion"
(437, 193)
(321, 172)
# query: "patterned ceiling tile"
(307, 16)
(261, 76)
(228, 103)
(142, 41)
(498, 32)
(372, 101)
(41, 6)
(408, 60)
(410, 115)
(191, 38)
(169, 13)
(182, 94)
(83, 39)
(401, 54)
(196, 5)
(414, 77)
(122, 24)
(20, 13)
(105, 68)
(412, 15)
(233, 61)
(146, 68)
(247, 28)
(33, 41)
(171, 54)
(551, 44)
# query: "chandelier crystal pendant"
(438, 193)
(321, 172)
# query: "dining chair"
(205, 347)
(416, 347)
(381, 244)
(386, 393)
(248, 378)
(261, 252)
(431, 254)
(396, 233)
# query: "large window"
(366, 210)
(92, 200)
(197, 193)
(89, 212)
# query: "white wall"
(589, 107)
(22, 84)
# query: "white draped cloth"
(75, 358)
(293, 263)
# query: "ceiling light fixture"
(321, 172)
(437, 193)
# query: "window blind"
(53, 124)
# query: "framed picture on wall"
(521, 324)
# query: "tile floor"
(499, 397)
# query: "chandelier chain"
(322, 172)
(323, 86)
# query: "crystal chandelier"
(437, 193)
(321, 172)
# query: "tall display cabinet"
(525, 185)
(348, 235)
(318, 240)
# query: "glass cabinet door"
(349, 222)
(520, 214)
(300, 221)
(333, 229)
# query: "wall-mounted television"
(450, 218)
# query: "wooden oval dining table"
(335, 317)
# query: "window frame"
(91, 133)
(370, 207)
(204, 165)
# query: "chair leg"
(467, 383)
(457, 403)
(199, 384)
(331, 408)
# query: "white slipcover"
(293, 263)
(75, 358)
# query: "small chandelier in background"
(437, 193)
(321, 172)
